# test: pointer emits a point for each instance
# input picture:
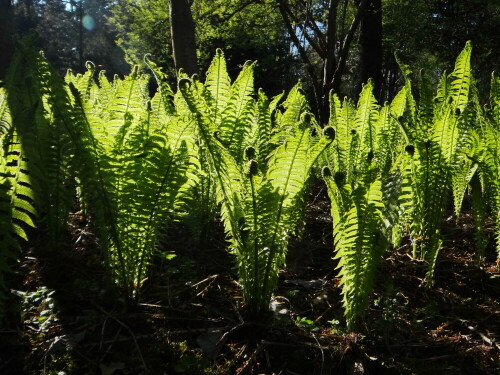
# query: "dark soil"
(65, 317)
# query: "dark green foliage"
(32, 85)
(488, 157)
(16, 195)
(479, 214)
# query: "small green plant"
(38, 308)
(305, 323)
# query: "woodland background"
(327, 44)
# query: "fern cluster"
(438, 131)
(391, 170)
(357, 169)
(136, 167)
(132, 162)
(261, 159)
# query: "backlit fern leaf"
(16, 195)
(38, 105)
(218, 84)
(295, 104)
(359, 244)
(235, 124)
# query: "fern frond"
(42, 129)
(295, 104)
(359, 246)
(461, 78)
(17, 209)
(218, 84)
(235, 124)
(479, 215)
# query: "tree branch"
(228, 16)
(344, 51)
(296, 41)
(331, 39)
(320, 49)
(314, 26)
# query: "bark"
(183, 37)
(371, 45)
(6, 34)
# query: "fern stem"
(255, 238)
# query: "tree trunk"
(81, 63)
(330, 63)
(6, 33)
(371, 45)
(183, 39)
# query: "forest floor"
(188, 318)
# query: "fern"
(37, 103)
(132, 171)
(357, 163)
(360, 243)
(488, 158)
(261, 200)
(436, 162)
(479, 215)
(16, 195)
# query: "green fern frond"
(295, 104)
(479, 215)
(32, 84)
(17, 209)
(359, 244)
(366, 116)
(461, 78)
(218, 84)
(235, 124)
(426, 101)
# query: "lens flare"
(88, 22)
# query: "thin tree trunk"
(6, 33)
(334, 58)
(371, 45)
(346, 45)
(80, 36)
(183, 38)
(330, 61)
